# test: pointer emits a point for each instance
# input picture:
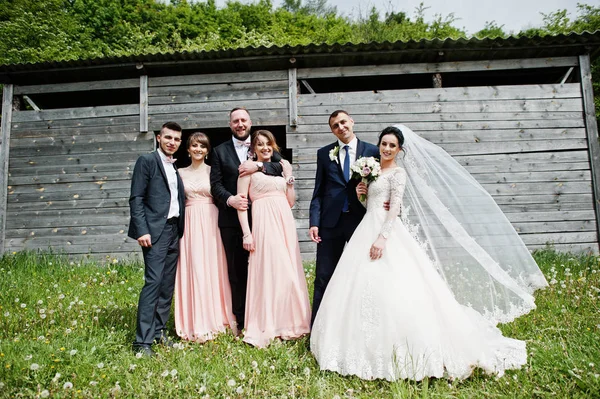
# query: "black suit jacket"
(224, 176)
(150, 198)
(331, 189)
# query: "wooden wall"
(69, 175)
(526, 145)
(69, 170)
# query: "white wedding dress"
(396, 318)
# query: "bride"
(420, 295)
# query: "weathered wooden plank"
(121, 174)
(81, 149)
(59, 241)
(422, 127)
(78, 86)
(7, 104)
(534, 215)
(222, 106)
(33, 170)
(450, 117)
(555, 226)
(98, 133)
(219, 119)
(233, 96)
(460, 66)
(68, 217)
(293, 96)
(559, 238)
(69, 204)
(74, 187)
(302, 139)
(520, 92)
(77, 113)
(585, 248)
(483, 106)
(592, 129)
(80, 122)
(75, 159)
(68, 232)
(194, 90)
(550, 208)
(98, 248)
(70, 195)
(213, 78)
(556, 188)
(143, 103)
(56, 138)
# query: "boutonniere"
(333, 154)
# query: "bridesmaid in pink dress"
(277, 297)
(202, 292)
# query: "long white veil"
(471, 242)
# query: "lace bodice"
(196, 183)
(262, 185)
(388, 187)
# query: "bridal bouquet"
(367, 170)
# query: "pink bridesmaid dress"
(277, 296)
(202, 292)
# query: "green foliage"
(66, 327)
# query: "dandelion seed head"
(40, 302)
(93, 383)
(239, 390)
(44, 394)
(242, 376)
(28, 357)
(164, 373)
(67, 385)
(231, 383)
(138, 355)
(100, 365)
(23, 305)
(254, 364)
(202, 389)
(173, 373)
(132, 366)
(34, 367)
(73, 352)
(68, 331)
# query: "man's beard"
(244, 137)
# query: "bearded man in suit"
(230, 161)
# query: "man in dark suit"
(230, 162)
(157, 206)
(335, 210)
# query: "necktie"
(346, 174)
(347, 163)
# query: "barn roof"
(309, 56)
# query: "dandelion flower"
(239, 390)
(231, 383)
(23, 305)
(34, 367)
(68, 385)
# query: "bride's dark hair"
(396, 132)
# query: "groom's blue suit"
(326, 213)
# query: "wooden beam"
(30, 102)
(143, 103)
(592, 130)
(7, 105)
(293, 96)
(78, 86)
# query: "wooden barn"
(518, 113)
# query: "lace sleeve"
(397, 185)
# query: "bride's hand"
(361, 189)
(248, 242)
(377, 248)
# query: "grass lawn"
(66, 330)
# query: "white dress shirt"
(241, 148)
(172, 179)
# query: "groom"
(334, 209)
(230, 160)
(157, 206)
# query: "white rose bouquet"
(367, 170)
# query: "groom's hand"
(145, 241)
(313, 233)
(247, 168)
(239, 202)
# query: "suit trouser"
(237, 269)
(329, 251)
(155, 299)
